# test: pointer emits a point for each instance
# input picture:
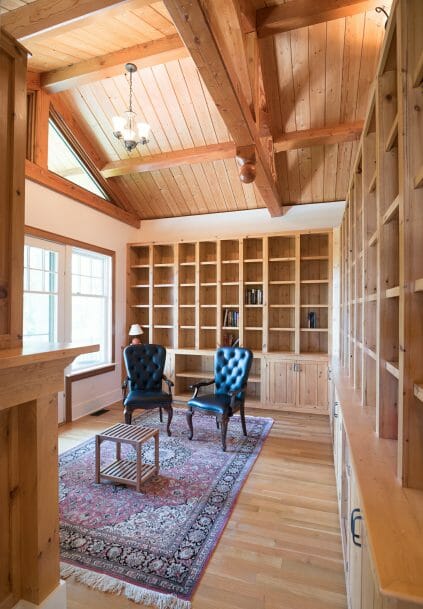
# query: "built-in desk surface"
(393, 515)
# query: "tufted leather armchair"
(231, 368)
(144, 366)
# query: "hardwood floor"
(281, 548)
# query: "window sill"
(89, 372)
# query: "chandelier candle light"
(125, 127)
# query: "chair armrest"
(197, 386)
(169, 383)
(125, 388)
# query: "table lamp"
(135, 332)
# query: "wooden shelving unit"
(272, 293)
(382, 257)
(258, 290)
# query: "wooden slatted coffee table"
(125, 471)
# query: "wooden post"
(12, 187)
(39, 498)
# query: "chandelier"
(125, 127)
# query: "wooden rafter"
(226, 91)
(337, 134)
(301, 13)
(55, 182)
(201, 154)
(42, 15)
(144, 55)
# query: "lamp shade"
(118, 123)
(143, 130)
(135, 330)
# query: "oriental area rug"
(153, 546)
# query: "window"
(68, 298)
(63, 160)
(90, 302)
(41, 289)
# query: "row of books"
(254, 296)
(230, 318)
(230, 340)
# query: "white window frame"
(60, 250)
(77, 366)
(64, 302)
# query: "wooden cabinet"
(313, 385)
(292, 384)
(353, 543)
(280, 384)
(298, 384)
(380, 521)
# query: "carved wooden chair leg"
(242, 413)
(169, 418)
(217, 423)
(128, 416)
(189, 421)
(161, 414)
(223, 430)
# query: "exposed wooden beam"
(144, 55)
(248, 16)
(202, 154)
(42, 15)
(54, 182)
(223, 86)
(42, 113)
(346, 132)
(33, 81)
(301, 13)
(89, 153)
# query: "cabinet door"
(313, 386)
(338, 449)
(354, 555)
(281, 384)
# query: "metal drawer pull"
(355, 515)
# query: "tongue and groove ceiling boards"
(286, 82)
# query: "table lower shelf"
(125, 472)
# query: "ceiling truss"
(209, 31)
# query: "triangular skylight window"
(63, 160)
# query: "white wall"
(53, 212)
(56, 213)
(249, 222)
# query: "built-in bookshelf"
(270, 293)
(382, 261)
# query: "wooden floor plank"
(281, 548)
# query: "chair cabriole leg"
(242, 414)
(189, 421)
(223, 430)
(169, 418)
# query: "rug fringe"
(105, 583)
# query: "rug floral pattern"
(160, 538)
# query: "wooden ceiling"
(308, 102)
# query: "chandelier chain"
(130, 91)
